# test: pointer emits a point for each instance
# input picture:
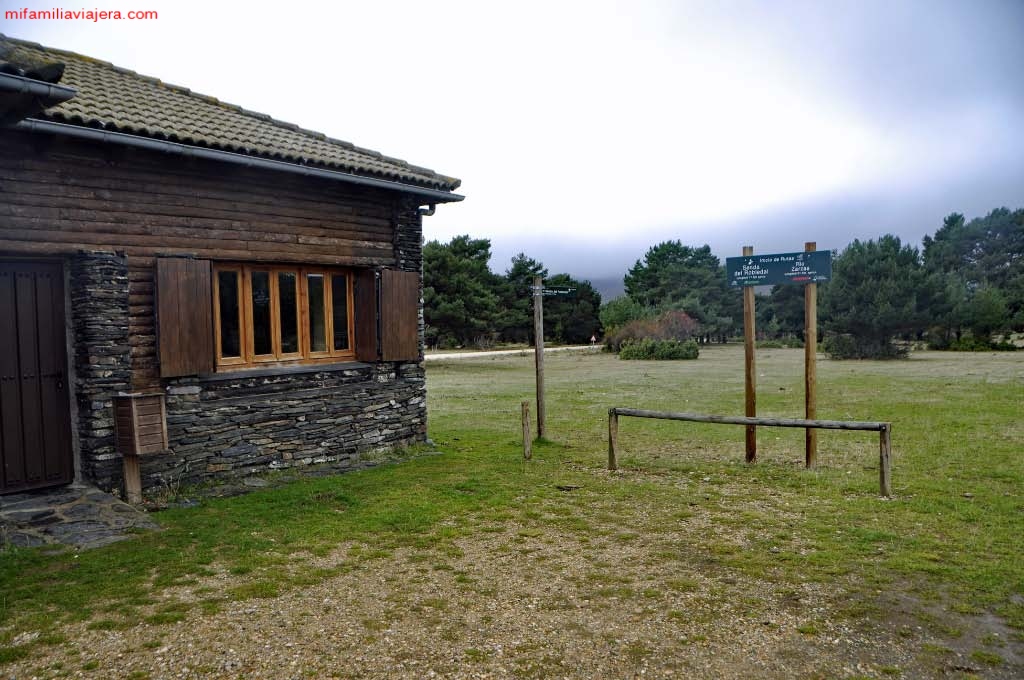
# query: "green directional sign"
(768, 270)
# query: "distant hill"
(610, 287)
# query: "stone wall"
(238, 425)
(98, 285)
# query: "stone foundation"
(229, 426)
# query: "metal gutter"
(429, 196)
(54, 94)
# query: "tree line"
(963, 289)
(466, 304)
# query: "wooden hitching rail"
(884, 431)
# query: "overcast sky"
(584, 132)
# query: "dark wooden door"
(35, 417)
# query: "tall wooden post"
(810, 364)
(748, 345)
(885, 460)
(538, 345)
(613, 439)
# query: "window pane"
(289, 305)
(227, 285)
(261, 313)
(339, 310)
(317, 319)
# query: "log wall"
(61, 197)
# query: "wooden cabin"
(195, 288)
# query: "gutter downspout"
(427, 196)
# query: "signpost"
(750, 382)
(538, 350)
(810, 359)
(807, 268)
(539, 291)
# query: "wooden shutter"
(399, 315)
(365, 301)
(184, 316)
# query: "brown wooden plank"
(31, 199)
(365, 302)
(399, 315)
(185, 311)
(32, 246)
(153, 172)
(11, 439)
(161, 173)
(102, 233)
(28, 364)
(52, 361)
(305, 200)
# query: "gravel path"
(507, 604)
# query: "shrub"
(970, 343)
(658, 349)
(670, 325)
(846, 346)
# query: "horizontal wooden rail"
(744, 420)
(884, 430)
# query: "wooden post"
(810, 364)
(613, 439)
(885, 460)
(132, 479)
(538, 344)
(527, 435)
(748, 345)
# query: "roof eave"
(426, 195)
(23, 97)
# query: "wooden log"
(750, 380)
(111, 233)
(192, 184)
(810, 364)
(72, 247)
(741, 420)
(885, 460)
(613, 439)
(194, 212)
(527, 434)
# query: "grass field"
(687, 562)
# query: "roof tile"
(115, 98)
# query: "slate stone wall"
(242, 425)
(98, 291)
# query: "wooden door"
(35, 417)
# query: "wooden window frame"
(242, 339)
(247, 333)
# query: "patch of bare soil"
(514, 602)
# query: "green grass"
(957, 430)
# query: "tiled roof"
(113, 98)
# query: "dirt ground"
(516, 603)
